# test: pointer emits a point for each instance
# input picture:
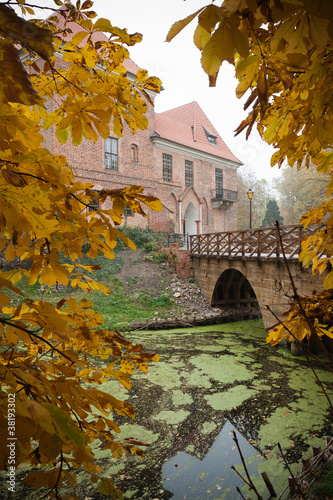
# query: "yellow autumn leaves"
(53, 356)
(282, 53)
(218, 36)
(318, 311)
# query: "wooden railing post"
(207, 244)
(218, 244)
(258, 242)
(300, 237)
(277, 243)
(229, 244)
(243, 247)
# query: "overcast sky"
(177, 64)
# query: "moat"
(210, 381)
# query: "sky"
(177, 64)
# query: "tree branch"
(249, 482)
(38, 337)
(292, 475)
(297, 300)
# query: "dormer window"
(210, 137)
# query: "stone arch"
(172, 203)
(134, 153)
(190, 218)
(234, 289)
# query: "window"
(167, 168)
(211, 139)
(219, 181)
(188, 173)
(94, 203)
(128, 212)
(111, 153)
(134, 152)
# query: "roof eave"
(196, 153)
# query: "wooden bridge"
(246, 268)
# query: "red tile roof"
(186, 125)
(130, 66)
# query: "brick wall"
(145, 168)
(221, 219)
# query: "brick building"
(180, 158)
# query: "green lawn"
(118, 309)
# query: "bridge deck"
(258, 244)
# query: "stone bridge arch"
(268, 279)
(234, 289)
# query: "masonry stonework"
(269, 280)
(203, 202)
(198, 192)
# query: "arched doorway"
(233, 289)
(191, 215)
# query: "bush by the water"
(143, 238)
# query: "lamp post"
(250, 196)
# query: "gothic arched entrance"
(190, 218)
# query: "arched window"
(134, 152)
(128, 211)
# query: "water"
(208, 474)
(209, 381)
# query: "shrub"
(144, 238)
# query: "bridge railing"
(262, 243)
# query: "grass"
(119, 309)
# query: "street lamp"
(250, 196)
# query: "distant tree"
(247, 179)
(299, 188)
(272, 214)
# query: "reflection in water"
(196, 477)
(207, 380)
